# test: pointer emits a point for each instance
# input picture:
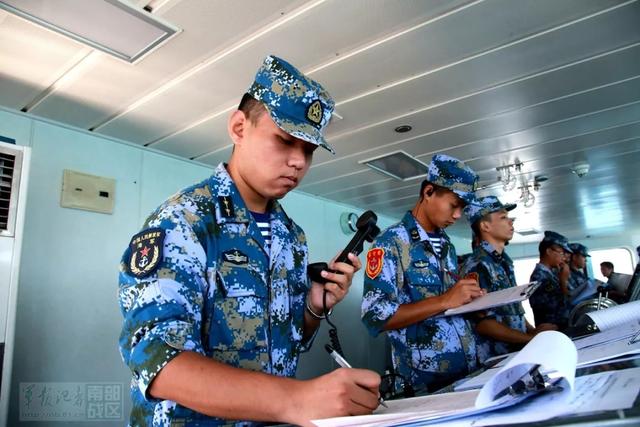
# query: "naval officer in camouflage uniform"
(502, 329)
(550, 302)
(214, 316)
(410, 278)
(579, 285)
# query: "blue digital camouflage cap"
(557, 239)
(485, 205)
(578, 248)
(298, 105)
(452, 174)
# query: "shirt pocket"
(239, 320)
(423, 282)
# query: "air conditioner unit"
(14, 169)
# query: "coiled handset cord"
(333, 330)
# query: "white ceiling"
(546, 82)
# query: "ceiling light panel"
(112, 26)
(398, 165)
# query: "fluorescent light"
(527, 232)
(112, 26)
(398, 165)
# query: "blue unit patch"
(146, 252)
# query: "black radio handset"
(367, 230)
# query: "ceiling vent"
(527, 232)
(10, 161)
(398, 165)
(112, 26)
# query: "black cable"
(333, 331)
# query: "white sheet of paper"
(552, 350)
(493, 299)
(603, 352)
(406, 409)
(616, 316)
(605, 391)
(598, 392)
(477, 381)
(611, 335)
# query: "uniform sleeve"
(163, 311)
(576, 284)
(380, 292)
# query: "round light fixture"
(403, 128)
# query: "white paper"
(407, 409)
(606, 337)
(605, 391)
(477, 381)
(494, 299)
(599, 392)
(616, 316)
(552, 350)
(604, 352)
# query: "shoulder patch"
(146, 252)
(374, 262)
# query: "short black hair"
(252, 108)
(476, 225)
(438, 190)
(543, 246)
(607, 264)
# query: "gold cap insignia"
(314, 112)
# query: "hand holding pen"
(344, 364)
(462, 292)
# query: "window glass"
(523, 268)
(620, 257)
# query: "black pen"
(344, 364)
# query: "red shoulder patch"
(374, 262)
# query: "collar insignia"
(226, 206)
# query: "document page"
(496, 299)
(610, 350)
(551, 350)
(609, 336)
(619, 315)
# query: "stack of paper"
(551, 350)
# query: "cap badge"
(314, 112)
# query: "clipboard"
(496, 299)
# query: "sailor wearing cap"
(410, 277)
(580, 287)
(550, 302)
(214, 291)
(502, 329)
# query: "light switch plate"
(87, 192)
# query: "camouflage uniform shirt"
(495, 272)
(215, 292)
(578, 285)
(548, 303)
(438, 349)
